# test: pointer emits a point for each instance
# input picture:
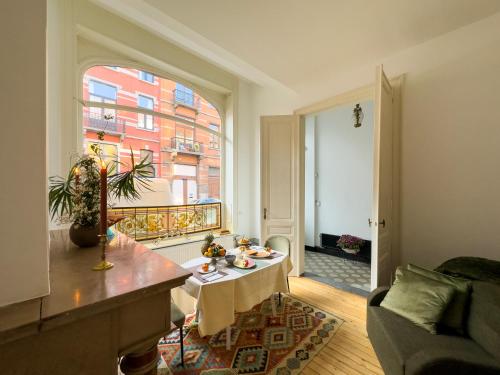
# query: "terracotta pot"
(84, 236)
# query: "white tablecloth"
(217, 301)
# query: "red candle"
(104, 199)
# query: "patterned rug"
(260, 342)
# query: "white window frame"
(145, 80)
(229, 192)
(144, 119)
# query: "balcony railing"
(187, 145)
(146, 223)
(186, 98)
(98, 122)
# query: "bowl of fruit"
(215, 251)
(212, 250)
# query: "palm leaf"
(61, 195)
(128, 184)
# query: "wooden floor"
(349, 351)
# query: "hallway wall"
(344, 166)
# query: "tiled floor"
(342, 273)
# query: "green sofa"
(404, 348)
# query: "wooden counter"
(90, 317)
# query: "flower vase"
(350, 251)
(84, 236)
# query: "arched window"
(158, 119)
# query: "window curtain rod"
(145, 111)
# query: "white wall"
(450, 160)
(23, 187)
(344, 168)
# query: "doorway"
(338, 196)
(282, 175)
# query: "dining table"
(217, 297)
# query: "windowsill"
(144, 80)
(197, 237)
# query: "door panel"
(381, 266)
(280, 183)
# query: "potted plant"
(350, 244)
(76, 198)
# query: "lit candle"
(77, 176)
(104, 199)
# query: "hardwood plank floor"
(349, 351)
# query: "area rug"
(261, 343)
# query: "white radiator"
(181, 253)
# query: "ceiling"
(291, 41)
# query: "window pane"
(187, 158)
(145, 102)
(145, 76)
(103, 90)
(183, 95)
(109, 152)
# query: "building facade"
(188, 157)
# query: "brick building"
(188, 157)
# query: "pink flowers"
(346, 241)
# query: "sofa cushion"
(483, 324)
(399, 343)
(454, 315)
(418, 298)
(472, 268)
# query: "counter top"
(77, 289)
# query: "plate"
(211, 268)
(258, 248)
(261, 254)
(238, 263)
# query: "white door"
(282, 145)
(381, 267)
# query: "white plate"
(257, 256)
(239, 263)
(211, 268)
(258, 248)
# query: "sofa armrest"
(447, 361)
(377, 295)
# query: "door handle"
(382, 223)
(265, 213)
(369, 222)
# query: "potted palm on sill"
(76, 198)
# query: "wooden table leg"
(141, 362)
(273, 304)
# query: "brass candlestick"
(103, 264)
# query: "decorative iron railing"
(145, 223)
(186, 144)
(98, 122)
(186, 97)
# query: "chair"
(281, 244)
(178, 318)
